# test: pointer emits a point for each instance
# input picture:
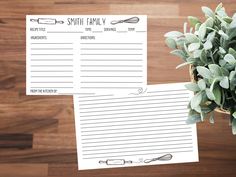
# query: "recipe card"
(85, 54)
(146, 127)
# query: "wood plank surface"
(37, 133)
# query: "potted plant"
(209, 49)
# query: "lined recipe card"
(85, 54)
(145, 127)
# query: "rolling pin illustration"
(115, 162)
(47, 21)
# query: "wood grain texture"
(37, 133)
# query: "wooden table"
(37, 134)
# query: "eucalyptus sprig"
(209, 47)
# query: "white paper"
(69, 54)
(134, 130)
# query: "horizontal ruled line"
(126, 113)
(111, 76)
(121, 31)
(51, 65)
(99, 82)
(109, 87)
(123, 98)
(110, 54)
(50, 76)
(134, 105)
(118, 152)
(51, 43)
(95, 96)
(107, 110)
(128, 120)
(111, 60)
(170, 152)
(97, 31)
(50, 54)
(167, 91)
(132, 143)
(55, 82)
(137, 147)
(158, 114)
(51, 59)
(137, 139)
(111, 49)
(64, 31)
(124, 136)
(147, 123)
(51, 87)
(51, 48)
(53, 71)
(111, 65)
(136, 100)
(111, 43)
(132, 128)
(111, 70)
(130, 132)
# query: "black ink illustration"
(47, 21)
(165, 157)
(115, 162)
(129, 20)
(139, 91)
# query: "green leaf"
(232, 75)
(209, 22)
(214, 81)
(202, 31)
(222, 13)
(208, 12)
(179, 53)
(227, 19)
(210, 94)
(219, 7)
(207, 45)
(204, 72)
(221, 50)
(203, 56)
(234, 114)
(233, 24)
(232, 52)
(230, 59)
(193, 117)
(225, 36)
(184, 64)
(170, 43)
(197, 53)
(234, 126)
(215, 69)
(173, 34)
(217, 94)
(196, 100)
(211, 36)
(224, 83)
(194, 46)
(201, 84)
(211, 119)
(197, 26)
(193, 20)
(191, 38)
(192, 87)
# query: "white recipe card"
(146, 127)
(84, 54)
